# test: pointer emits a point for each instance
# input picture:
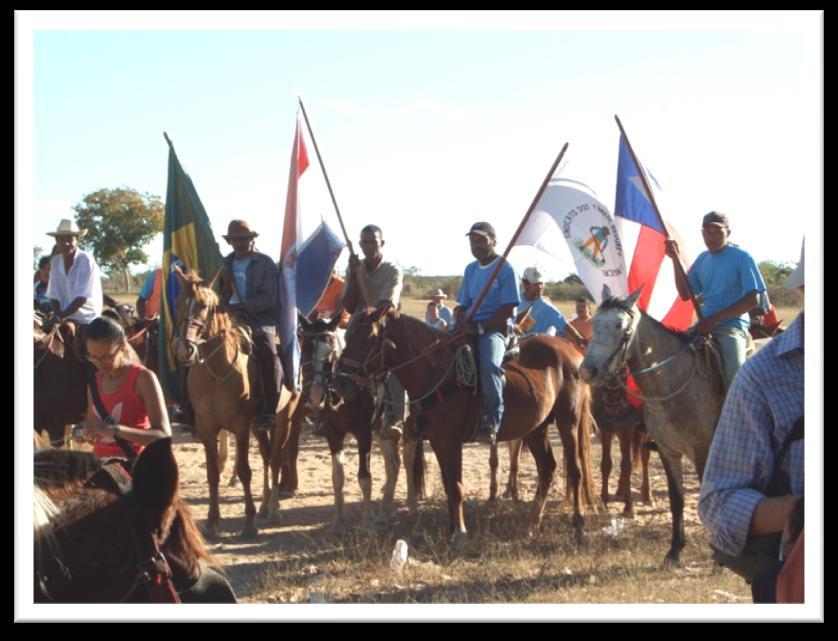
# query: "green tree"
(119, 222)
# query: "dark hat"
(484, 229)
(715, 218)
(239, 229)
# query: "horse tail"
(419, 470)
(587, 422)
(636, 448)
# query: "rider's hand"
(354, 262)
(671, 248)
(705, 325)
(467, 327)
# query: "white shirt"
(83, 280)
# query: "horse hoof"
(672, 560)
(210, 532)
(287, 494)
(628, 513)
(459, 540)
(250, 530)
(263, 512)
(275, 519)
(233, 481)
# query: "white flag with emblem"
(569, 210)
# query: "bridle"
(325, 364)
(202, 340)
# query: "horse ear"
(381, 311)
(333, 323)
(606, 291)
(214, 278)
(156, 477)
(179, 274)
(632, 299)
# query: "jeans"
(732, 343)
(491, 347)
(270, 369)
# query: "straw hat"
(239, 229)
(67, 227)
(438, 293)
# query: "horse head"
(196, 315)
(367, 343)
(93, 545)
(321, 349)
(614, 325)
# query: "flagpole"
(511, 244)
(361, 282)
(679, 268)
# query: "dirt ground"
(298, 544)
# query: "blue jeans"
(490, 349)
(732, 343)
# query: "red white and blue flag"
(310, 248)
(643, 240)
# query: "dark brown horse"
(99, 542)
(615, 416)
(542, 385)
(345, 410)
(59, 381)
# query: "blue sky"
(425, 131)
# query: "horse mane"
(615, 303)
(221, 321)
(421, 337)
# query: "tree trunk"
(127, 280)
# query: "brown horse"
(219, 387)
(542, 385)
(60, 381)
(100, 542)
(615, 416)
(349, 411)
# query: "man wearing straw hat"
(249, 292)
(75, 284)
(754, 473)
(443, 311)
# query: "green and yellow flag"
(188, 242)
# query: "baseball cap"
(532, 275)
(715, 218)
(484, 229)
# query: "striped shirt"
(762, 405)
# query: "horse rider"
(543, 315)
(383, 282)
(491, 323)
(75, 285)
(728, 284)
(249, 292)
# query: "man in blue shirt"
(728, 284)
(249, 292)
(491, 322)
(539, 316)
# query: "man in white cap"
(754, 472)
(443, 311)
(539, 316)
(727, 283)
(75, 284)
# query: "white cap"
(532, 275)
(795, 280)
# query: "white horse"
(681, 386)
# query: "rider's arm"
(680, 276)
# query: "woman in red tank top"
(130, 393)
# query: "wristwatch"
(480, 330)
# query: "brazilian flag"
(188, 242)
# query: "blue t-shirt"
(240, 274)
(503, 291)
(723, 278)
(548, 319)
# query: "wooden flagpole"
(359, 271)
